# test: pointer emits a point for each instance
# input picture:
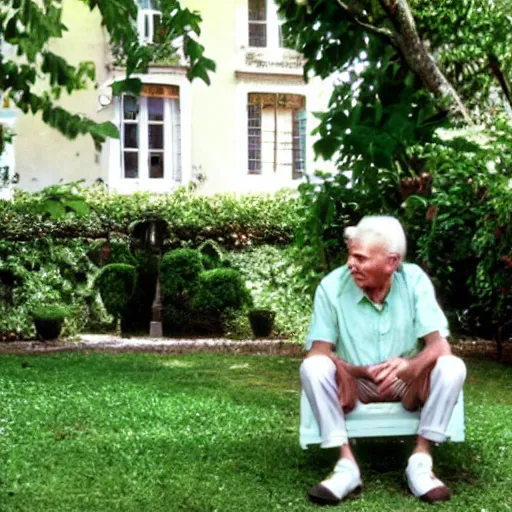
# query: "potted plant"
(48, 321)
(262, 322)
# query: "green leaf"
(326, 147)
(79, 206)
(105, 130)
(129, 85)
(55, 209)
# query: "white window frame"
(145, 19)
(273, 24)
(172, 151)
(113, 147)
(297, 142)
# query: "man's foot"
(345, 479)
(422, 481)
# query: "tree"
(404, 69)
(424, 65)
(29, 26)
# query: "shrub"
(261, 321)
(463, 230)
(179, 271)
(44, 271)
(48, 321)
(221, 289)
(116, 283)
(179, 275)
(232, 221)
(178, 319)
(51, 313)
(235, 325)
(104, 252)
(211, 255)
(457, 214)
(278, 282)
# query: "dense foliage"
(229, 220)
(43, 272)
(409, 78)
(458, 217)
(456, 213)
(278, 281)
(57, 240)
(199, 301)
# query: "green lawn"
(210, 432)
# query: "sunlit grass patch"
(205, 432)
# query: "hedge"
(227, 219)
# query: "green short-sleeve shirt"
(366, 333)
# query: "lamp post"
(152, 233)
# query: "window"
(149, 25)
(276, 134)
(258, 23)
(264, 25)
(151, 134)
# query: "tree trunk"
(501, 77)
(419, 58)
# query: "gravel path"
(110, 343)
(478, 348)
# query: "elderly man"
(378, 334)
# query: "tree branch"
(418, 58)
(498, 73)
(380, 32)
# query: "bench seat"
(386, 419)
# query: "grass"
(210, 432)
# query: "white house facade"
(249, 131)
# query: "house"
(249, 131)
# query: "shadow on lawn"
(386, 459)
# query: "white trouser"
(318, 376)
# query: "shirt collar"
(360, 296)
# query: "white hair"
(382, 229)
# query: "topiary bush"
(212, 255)
(116, 283)
(179, 276)
(48, 321)
(179, 271)
(219, 290)
(178, 319)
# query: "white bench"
(387, 419)
(391, 419)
